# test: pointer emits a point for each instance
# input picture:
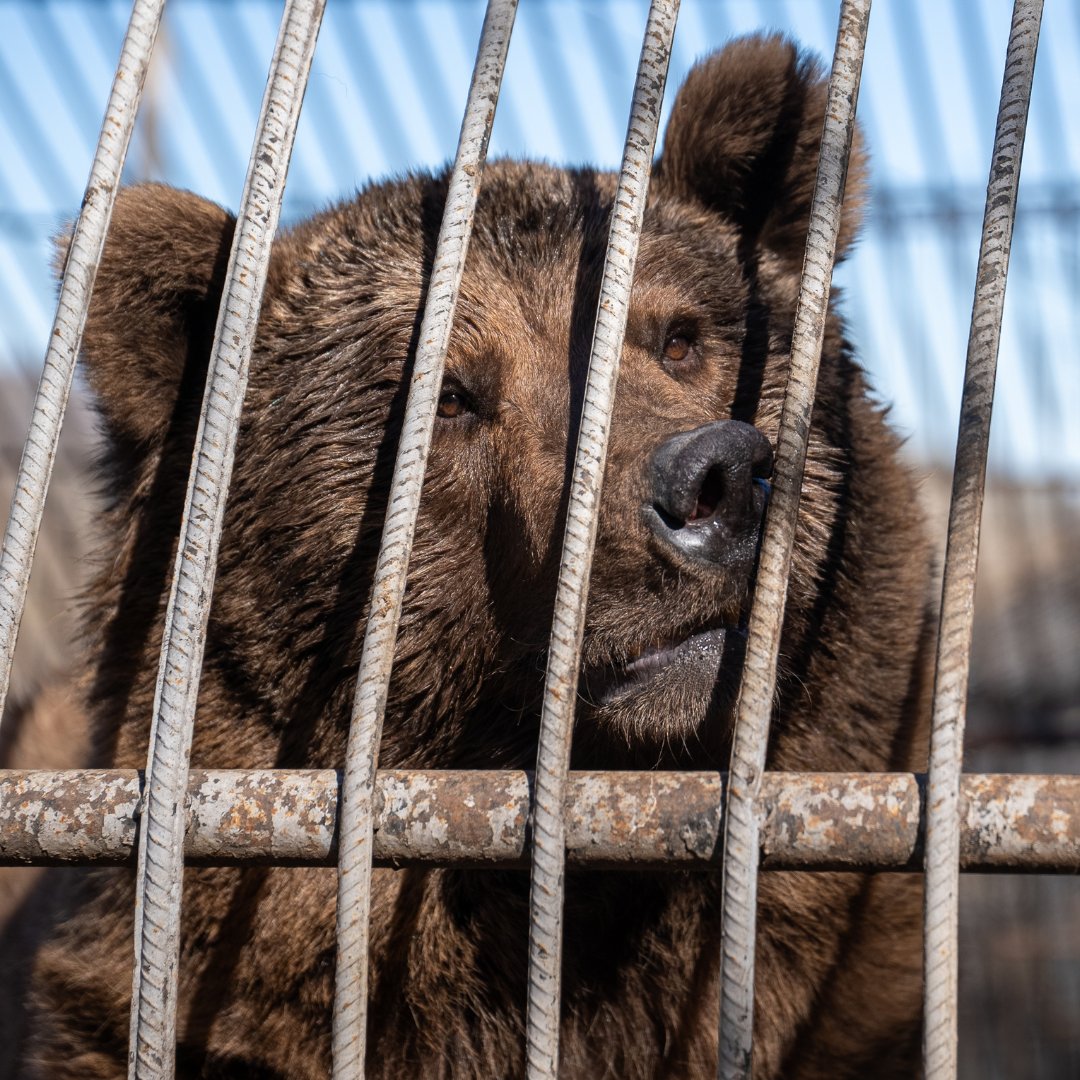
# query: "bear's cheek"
(485, 543)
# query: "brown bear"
(698, 405)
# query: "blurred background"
(386, 94)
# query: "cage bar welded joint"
(546, 896)
(80, 270)
(377, 655)
(940, 960)
(477, 819)
(159, 874)
(751, 734)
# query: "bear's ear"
(154, 306)
(743, 139)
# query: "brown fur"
(838, 954)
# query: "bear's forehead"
(529, 218)
(534, 265)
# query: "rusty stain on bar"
(632, 820)
(751, 734)
(962, 551)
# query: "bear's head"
(702, 377)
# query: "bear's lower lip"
(704, 647)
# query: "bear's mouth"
(694, 654)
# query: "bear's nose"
(707, 500)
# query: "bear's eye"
(452, 404)
(678, 347)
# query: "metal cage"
(758, 820)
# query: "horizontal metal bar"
(633, 820)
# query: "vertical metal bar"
(376, 660)
(160, 865)
(564, 650)
(751, 735)
(962, 551)
(87, 243)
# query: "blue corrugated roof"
(389, 83)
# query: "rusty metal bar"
(152, 1048)
(84, 255)
(962, 551)
(377, 656)
(751, 734)
(614, 820)
(568, 623)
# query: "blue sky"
(386, 94)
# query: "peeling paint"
(809, 821)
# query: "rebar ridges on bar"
(564, 652)
(84, 255)
(160, 869)
(751, 735)
(962, 552)
(354, 868)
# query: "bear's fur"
(838, 962)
